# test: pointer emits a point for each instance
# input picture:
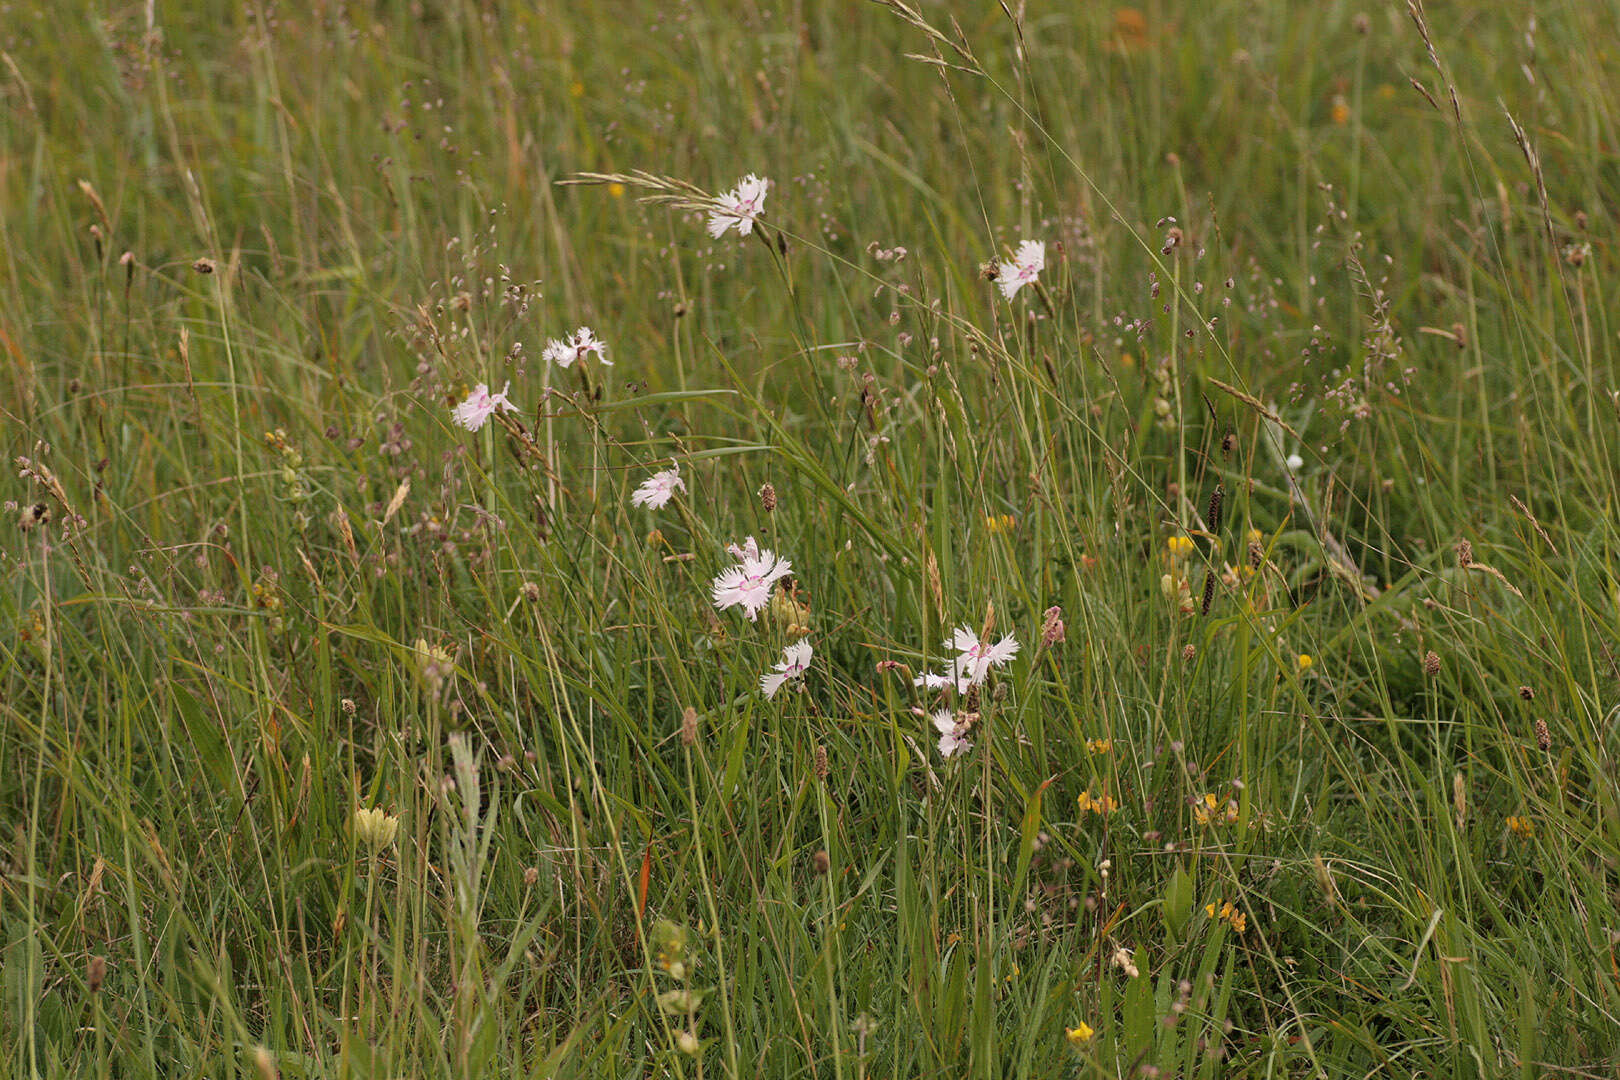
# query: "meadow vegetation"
(358, 721)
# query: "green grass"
(258, 506)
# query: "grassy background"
(210, 658)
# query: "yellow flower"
(616, 190)
(434, 663)
(1522, 827)
(1304, 661)
(1180, 546)
(1204, 809)
(1103, 805)
(1341, 111)
(1000, 524)
(375, 829)
(1099, 746)
(790, 615)
(1229, 914)
(1080, 1034)
(576, 89)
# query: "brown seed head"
(821, 861)
(203, 266)
(95, 973)
(689, 726)
(1431, 663)
(821, 763)
(767, 497)
(1543, 736)
(1465, 554)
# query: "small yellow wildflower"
(576, 89)
(1522, 827)
(1180, 546)
(616, 190)
(1080, 1034)
(1204, 809)
(1341, 110)
(375, 829)
(1099, 746)
(1178, 592)
(1104, 805)
(1229, 914)
(1304, 661)
(1000, 524)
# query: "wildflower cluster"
(1227, 912)
(374, 829)
(1174, 583)
(1207, 810)
(682, 1002)
(751, 583)
(1105, 804)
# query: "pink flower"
(575, 347)
(795, 658)
(1026, 266)
(658, 488)
(976, 658)
(480, 405)
(951, 734)
(738, 208)
(751, 582)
